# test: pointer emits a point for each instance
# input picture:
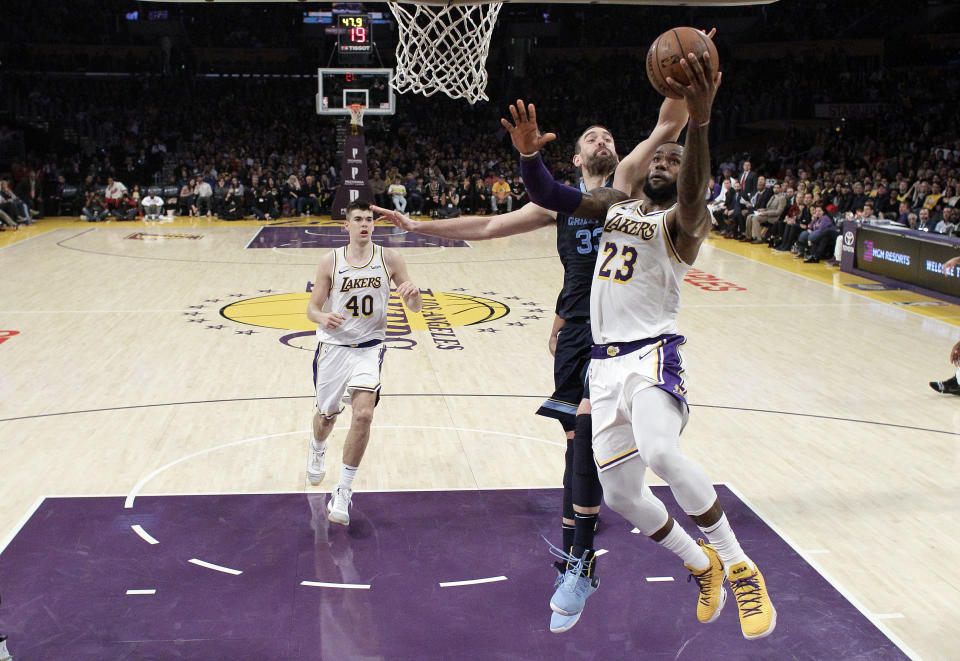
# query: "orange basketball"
(667, 51)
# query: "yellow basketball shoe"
(758, 617)
(710, 581)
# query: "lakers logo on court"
(442, 314)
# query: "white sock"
(678, 541)
(346, 476)
(318, 446)
(725, 542)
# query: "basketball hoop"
(356, 113)
(444, 48)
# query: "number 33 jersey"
(636, 281)
(361, 294)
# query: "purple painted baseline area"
(65, 576)
(330, 236)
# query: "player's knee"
(363, 416)
(665, 463)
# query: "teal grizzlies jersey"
(577, 247)
(636, 281)
(359, 293)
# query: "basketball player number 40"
(364, 306)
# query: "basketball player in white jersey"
(349, 306)
(596, 156)
(637, 391)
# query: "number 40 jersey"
(636, 281)
(361, 294)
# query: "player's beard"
(603, 164)
(660, 194)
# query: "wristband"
(529, 156)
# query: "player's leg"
(567, 511)
(657, 422)
(949, 386)
(331, 371)
(362, 403)
(364, 391)
(587, 491)
(316, 463)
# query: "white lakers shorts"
(339, 370)
(619, 371)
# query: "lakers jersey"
(636, 280)
(359, 293)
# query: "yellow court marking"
(440, 310)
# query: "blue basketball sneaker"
(578, 583)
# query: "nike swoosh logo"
(374, 268)
(343, 270)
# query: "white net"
(444, 49)
(356, 114)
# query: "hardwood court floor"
(172, 358)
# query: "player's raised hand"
(331, 320)
(524, 132)
(407, 291)
(704, 81)
(395, 217)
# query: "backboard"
(338, 88)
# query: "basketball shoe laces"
(703, 583)
(747, 591)
(575, 566)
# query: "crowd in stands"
(254, 147)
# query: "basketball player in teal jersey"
(349, 306)
(637, 392)
(595, 154)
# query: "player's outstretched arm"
(474, 228)
(406, 290)
(540, 185)
(321, 290)
(690, 218)
(632, 170)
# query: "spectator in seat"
(94, 209)
(518, 192)
(760, 221)
(203, 197)
(113, 193)
(797, 220)
(185, 205)
(291, 195)
(152, 206)
(398, 195)
(818, 240)
(378, 187)
(500, 199)
(29, 192)
(309, 200)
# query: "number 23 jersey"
(361, 294)
(636, 280)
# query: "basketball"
(667, 51)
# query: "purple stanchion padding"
(327, 236)
(65, 575)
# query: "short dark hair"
(363, 205)
(576, 144)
